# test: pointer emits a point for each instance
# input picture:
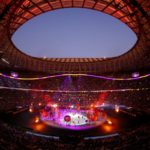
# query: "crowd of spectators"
(7, 82)
(79, 83)
(16, 138)
(138, 97)
(10, 99)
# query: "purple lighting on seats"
(14, 74)
(135, 74)
(86, 75)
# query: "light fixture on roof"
(135, 74)
(44, 57)
(5, 61)
(14, 74)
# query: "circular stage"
(73, 119)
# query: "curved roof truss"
(134, 13)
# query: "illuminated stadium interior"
(130, 13)
(75, 103)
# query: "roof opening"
(74, 33)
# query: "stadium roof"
(134, 13)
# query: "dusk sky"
(74, 32)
